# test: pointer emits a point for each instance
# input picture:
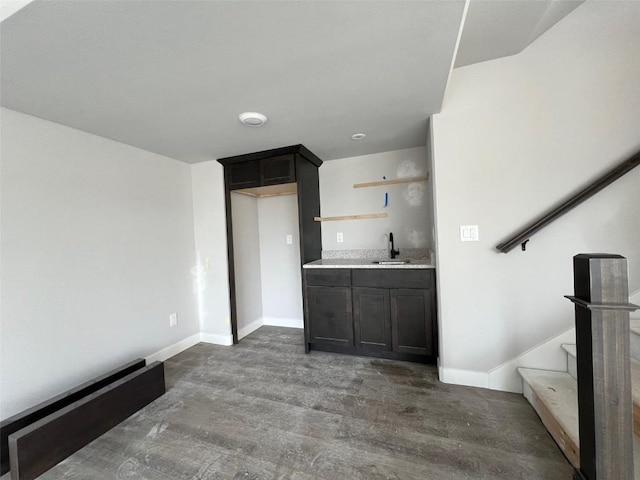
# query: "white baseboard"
(463, 377)
(171, 350)
(283, 322)
(253, 326)
(185, 343)
(271, 322)
(247, 329)
(548, 355)
(216, 339)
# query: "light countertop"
(366, 263)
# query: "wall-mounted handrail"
(522, 236)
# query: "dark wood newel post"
(604, 379)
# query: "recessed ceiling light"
(253, 119)
(358, 136)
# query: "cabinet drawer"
(277, 170)
(329, 277)
(392, 278)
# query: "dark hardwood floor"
(265, 410)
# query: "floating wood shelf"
(392, 182)
(350, 217)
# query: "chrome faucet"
(394, 252)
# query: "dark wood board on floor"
(37, 412)
(36, 448)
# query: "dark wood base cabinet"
(374, 312)
(411, 331)
(330, 317)
(371, 313)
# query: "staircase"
(554, 397)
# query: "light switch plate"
(469, 233)
(173, 319)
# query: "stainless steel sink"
(391, 262)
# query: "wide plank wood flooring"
(265, 410)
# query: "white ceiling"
(499, 28)
(172, 76)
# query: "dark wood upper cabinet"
(243, 175)
(275, 167)
(261, 172)
(277, 170)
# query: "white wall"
(430, 194)
(408, 209)
(515, 136)
(246, 251)
(209, 218)
(9, 7)
(279, 261)
(97, 251)
(267, 269)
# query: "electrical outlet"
(339, 237)
(289, 239)
(173, 319)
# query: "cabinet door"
(411, 321)
(277, 170)
(329, 314)
(371, 318)
(243, 175)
